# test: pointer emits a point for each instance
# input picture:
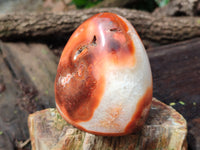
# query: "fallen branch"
(179, 8)
(59, 26)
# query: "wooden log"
(194, 134)
(13, 120)
(178, 8)
(176, 76)
(164, 129)
(57, 27)
(35, 64)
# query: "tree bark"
(179, 8)
(176, 78)
(176, 75)
(57, 27)
(36, 66)
(10, 121)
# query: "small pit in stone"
(93, 43)
(114, 29)
(79, 51)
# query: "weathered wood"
(178, 8)
(176, 76)
(57, 27)
(35, 64)
(194, 134)
(13, 121)
(164, 129)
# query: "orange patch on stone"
(112, 115)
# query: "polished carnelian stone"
(103, 76)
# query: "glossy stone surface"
(104, 82)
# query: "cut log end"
(164, 129)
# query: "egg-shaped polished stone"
(104, 83)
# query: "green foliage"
(85, 3)
(162, 3)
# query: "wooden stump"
(165, 129)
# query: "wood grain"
(176, 75)
(24, 69)
(58, 27)
(35, 64)
(13, 122)
(164, 129)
